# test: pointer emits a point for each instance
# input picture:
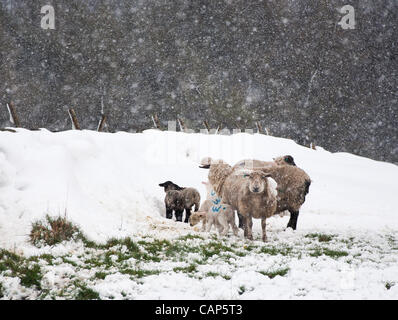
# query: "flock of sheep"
(255, 189)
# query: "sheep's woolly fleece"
(107, 184)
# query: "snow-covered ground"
(346, 245)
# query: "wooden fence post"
(75, 123)
(156, 122)
(101, 124)
(13, 114)
(182, 125)
(207, 126)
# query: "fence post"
(75, 123)
(13, 114)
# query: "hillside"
(107, 185)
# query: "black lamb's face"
(168, 185)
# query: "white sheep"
(221, 216)
(251, 193)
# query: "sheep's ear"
(205, 183)
(161, 184)
(205, 166)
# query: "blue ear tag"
(213, 193)
(245, 175)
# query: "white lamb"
(221, 216)
(213, 212)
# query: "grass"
(317, 252)
(190, 269)
(389, 285)
(139, 273)
(242, 290)
(274, 251)
(31, 276)
(100, 275)
(86, 293)
(320, 237)
(144, 257)
(51, 231)
(273, 274)
(16, 266)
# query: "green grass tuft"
(273, 274)
(389, 285)
(86, 293)
(321, 237)
(190, 269)
(274, 251)
(328, 252)
(51, 231)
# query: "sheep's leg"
(209, 224)
(169, 213)
(248, 228)
(263, 225)
(244, 226)
(293, 219)
(187, 214)
(204, 224)
(235, 229)
(178, 214)
(241, 221)
(249, 221)
(224, 232)
(224, 226)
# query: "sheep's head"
(196, 217)
(206, 162)
(168, 185)
(283, 160)
(257, 180)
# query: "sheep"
(251, 193)
(251, 163)
(190, 197)
(221, 216)
(293, 185)
(211, 195)
(214, 212)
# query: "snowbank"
(108, 183)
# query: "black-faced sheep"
(189, 196)
(293, 185)
(251, 193)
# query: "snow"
(107, 184)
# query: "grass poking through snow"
(80, 273)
